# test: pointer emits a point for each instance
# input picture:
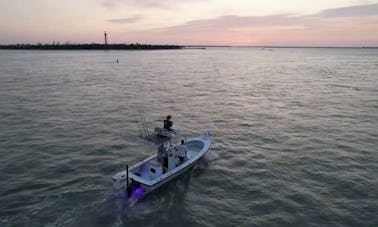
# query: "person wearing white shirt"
(181, 151)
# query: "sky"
(192, 22)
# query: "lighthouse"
(105, 38)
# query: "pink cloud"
(315, 30)
(126, 20)
(351, 11)
(147, 3)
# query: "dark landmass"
(92, 46)
(137, 46)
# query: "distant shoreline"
(92, 46)
(137, 46)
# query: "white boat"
(150, 174)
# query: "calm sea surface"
(295, 136)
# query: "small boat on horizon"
(162, 167)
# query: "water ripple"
(294, 136)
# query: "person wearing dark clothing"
(168, 123)
(161, 152)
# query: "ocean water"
(295, 136)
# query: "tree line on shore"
(91, 46)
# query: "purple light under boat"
(138, 192)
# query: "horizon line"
(190, 45)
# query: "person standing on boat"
(181, 151)
(160, 153)
(168, 123)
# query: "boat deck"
(151, 172)
(152, 169)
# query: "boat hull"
(148, 189)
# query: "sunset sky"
(192, 22)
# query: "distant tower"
(106, 39)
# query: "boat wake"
(164, 198)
